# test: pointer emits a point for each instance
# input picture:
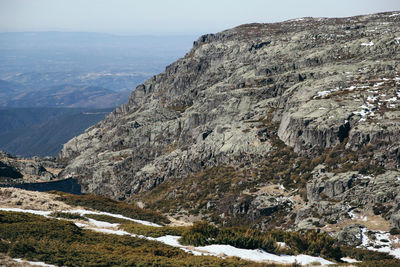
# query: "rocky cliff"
(260, 120)
(15, 170)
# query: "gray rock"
(267, 205)
(209, 108)
(330, 185)
(308, 224)
(395, 220)
(351, 235)
(28, 169)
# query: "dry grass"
(368, 219)
(9, 262)
(23, 199)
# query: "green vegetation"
(140, 229)
(370, 258)
(62, 243)
(364, 254)
(215, 190)
(305, 242)
(67, 215)
(137, 228)
(108, 205)
(308, 242)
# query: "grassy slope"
(63, 243)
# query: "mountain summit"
(299, 120)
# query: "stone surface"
(323, 83)
(19, 170)
(351, 235)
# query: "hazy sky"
(170, 16)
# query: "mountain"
(42, 131)
(284, 125)
(70, 96)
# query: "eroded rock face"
(350, 235)
(18, 170)
(323, 81)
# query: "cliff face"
(316, 84)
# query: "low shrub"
(108, 205)
(62, 243)
(67, 215)
(308, 242)
(106, 218)
(365, 255)
(140, 229)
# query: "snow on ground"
(102, 224)
(375, 100)
(36, 263)
(36, 212)
(366, 110)
(381, 242)
(170, 240)
(223, 250)
(83, 212)
(368, 44)
(213, 250)
(260, 255)
(328, 92)
(349, 260)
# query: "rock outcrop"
(313, 83)
(20, 170)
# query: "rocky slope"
(298, 120)
(15, 170)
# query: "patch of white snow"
(36, 263)
(349, 260)
(368, 44)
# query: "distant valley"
(66, 96)
(54, 85)
(41, 132)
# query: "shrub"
(67, 215)
(394, 231)
(106, 218)
(308, 242)
(61, 243)
(145, 230)
(108, 205)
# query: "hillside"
(285, 125)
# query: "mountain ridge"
(256, 106)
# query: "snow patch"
(213, 250)
(349, 260)
(83, 212)
(36, 263)
(381, 242)
(36, 212)
(368, 44)
(103, 224)
(260, 255)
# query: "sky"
(170, 17)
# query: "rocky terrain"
(15, 170)
(288, 125)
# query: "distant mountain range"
(53, 83)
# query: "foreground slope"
(312, 105)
